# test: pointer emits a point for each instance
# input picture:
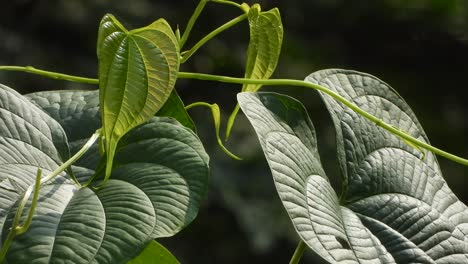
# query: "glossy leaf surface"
(396, 207)
(137, 73)
(159, 180)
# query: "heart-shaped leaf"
(266, 38)
(137, 73)
(396, 208)
(158, 182)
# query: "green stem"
(187, 54)
(298, 253)
(16, 228)
(198, 104)
(53, 75)
(352, 106)
(27, 194)
(228, 3)
(75, 157)
(192, 21)
(6, 244)
(37, 185)
(217, 123)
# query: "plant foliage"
(395, 206)
(107, 202)
(137, 73)
(159, 180)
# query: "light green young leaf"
(137, 73)
(397, 207)
(156, 189)
(154, 253)
(266, 38)
(217, 124)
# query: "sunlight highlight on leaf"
(137, 72)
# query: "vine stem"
(271, 82)
(192, 21)
(75, 157)
(53, 75)
(227, 3)
(217, 121)
(187, 54)
(301, 246)
(352, 106)
(16, 228)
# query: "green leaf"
(154, 253)
(174, 107)
(266, 38)
(159, 181)
(77, 111)
(29, 139)
(396, 207)
(137, 73)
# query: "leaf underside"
(396, 207)
(158, 182)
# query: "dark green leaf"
(29, 139)
(137, 73)
(160, 178)
(154, 253)
(397, 207)
(78, 113)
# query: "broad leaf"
(397, 207)
(154, 253)
(29, 139)
(158, 182)
(78, 113)
(266, 38)
(137, 73)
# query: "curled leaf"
(217, 123)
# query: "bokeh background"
(419, 47)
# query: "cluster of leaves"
(147, 175)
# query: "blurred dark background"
(419, 47)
